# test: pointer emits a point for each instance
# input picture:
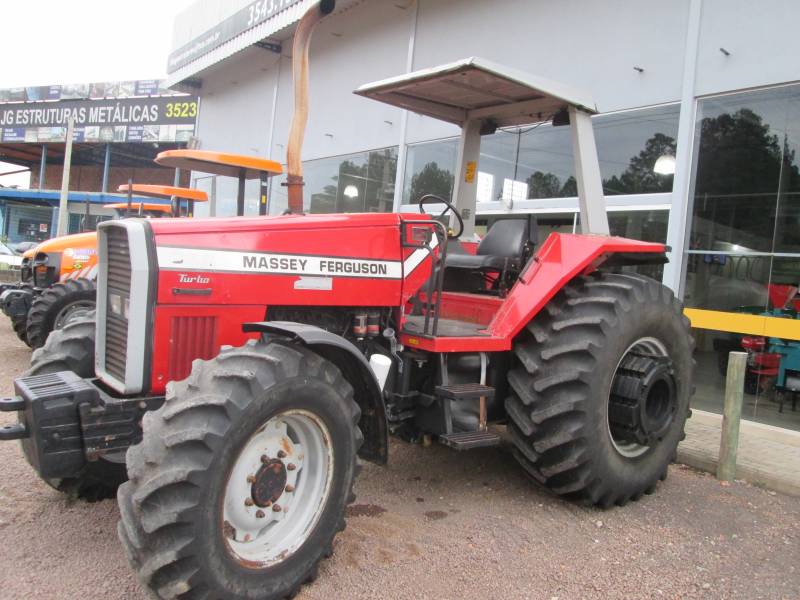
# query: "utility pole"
(63, 205)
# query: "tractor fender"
(560, 259)
(356, 370)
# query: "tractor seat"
(501, 249)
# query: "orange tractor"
(57, 277)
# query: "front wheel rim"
(277, 489)
(71, 309)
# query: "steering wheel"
(433, 198)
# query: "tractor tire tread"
(167, 470)
(45, 307)
(551, 398)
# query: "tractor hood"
(59, 244)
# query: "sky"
(47, 42)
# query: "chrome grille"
(118, 278)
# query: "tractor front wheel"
(243, 475)
(56, 305)
(600, 389)
(20, 325)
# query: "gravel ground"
(437, 524)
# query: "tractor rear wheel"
(55, 305)
(242, 477)
(600, 388)
(71, 348)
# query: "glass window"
(636, 149)
(747, 183)
(727, 282)
(545, 161)
(772, 366)
(361, 182)
(645, 225)
(430, 169)
(746, 201)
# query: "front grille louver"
(118, 278)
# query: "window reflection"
(727, 282)
(430, 169)
(361, 182)
(747, 182)
(536, 161)
(629, 146)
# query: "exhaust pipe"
(300, 46)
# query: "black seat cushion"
(477, 262)
(501, 248)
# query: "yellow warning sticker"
(469, 176)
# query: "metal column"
(680, 210)
(587, 173)
(466, 185)
(106, 168)
(63, 203)
(42, 167)
(240, 194)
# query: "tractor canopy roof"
(478, 89)
(146, 206)
(164, 191)
(219, 163)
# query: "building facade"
(697, 137)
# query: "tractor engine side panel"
(329, 266)
(186, 332)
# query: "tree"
(739, 176)
(431, 180)
(639, 177)
(543, 185)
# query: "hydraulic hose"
(300, 46)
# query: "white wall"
(589, 45)
(592, 45)
(762, 38)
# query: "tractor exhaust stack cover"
(300, 46)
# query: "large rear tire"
(71, 348)
(217, 506)
(600, 340)
(54, 306)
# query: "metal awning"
(478, 89)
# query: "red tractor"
(245, 364)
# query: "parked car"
(9, 257)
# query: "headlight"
(115, 304)
(119, 305)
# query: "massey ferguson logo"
(184, 278)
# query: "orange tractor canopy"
(226, 164)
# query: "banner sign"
(82, 91)
(248, 17)
(154, 119)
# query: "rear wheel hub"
(643, 400)
(270, 483)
